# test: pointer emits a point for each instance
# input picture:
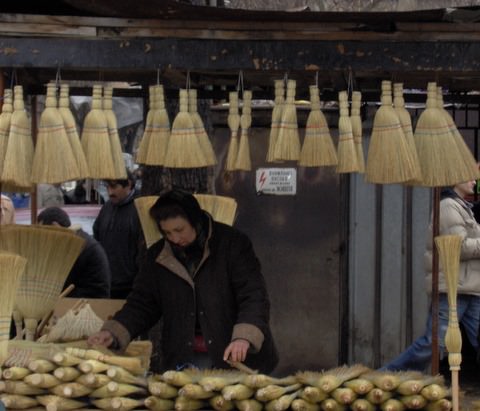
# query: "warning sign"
(277, 181)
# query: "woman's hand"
(236, 350)
(103, 338)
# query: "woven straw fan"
(347, 155)
(17, 166)
(276, 117)
(12, 267)
(357, 129)
(233, 121)
(71, 130)
(50, 253)
(141, 154)
(199, 127)
(96, 140)
(5, 118)
(160, 130)
(243, 161)
(112, 124)
(390, 159)
(53, 159)
(287, 146)
(318, 148)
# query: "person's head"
(465, 189)
(54, 216)
(119, 190)
(178, 216)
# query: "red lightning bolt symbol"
(263, 178)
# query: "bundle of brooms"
(141, 154)
(199, 128)
(357, 129)
(347, 154)
(243, 160)
(233, 121)
(5, 118)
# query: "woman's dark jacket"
(227, 296)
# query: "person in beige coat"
(456, 217)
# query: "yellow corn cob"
(188, 404)
(41, 365)
(16, 401)
(92, 366)
(117, 403)
(343, 395)
(299, 404)
(93, 380)
(120, 374)
(177, 378)
(413, 402)
(65, 360)
(313, 394)
(237, 392)
(71, 390)
(15, 373)
(249, 405)
(439, 405)
(262, 380)
(282, 403)
(66, 374)
(417, 382)
(115, 389)
(360, 385)
(20, 388)
(159, 404)
(361, 404)
(162, 389)
(216, 380)
(385, 380)
(86, 354)
(434, 392)
(331, 405)
(272, 392)
(219, 403)
(377, 395)
(392, 405)
(195, 392)
(334, 378)
(57, 403)
(44, 380)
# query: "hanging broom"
(243, 161)
(160, 130)
(183, 150)
(468, 159)
(53, 159)
(50, 253)
(449, 247)
(318, 149)
(200, 131)
(347, 155)
(96, 141)
(71, 130)
(141, 155)
(12, 267)
(276, 117)
(233, 124)
(287, 146)
(441, 162)
(390, 159)
(117, 154)
(357, 129)
(5, 118)
(17, 167)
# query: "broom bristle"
(96, 141)
(17, 167)
(233, 124)
(243, 161)
(72, 133)
(53, 159)
(357, 129)
(112, 124)
(184, 149)
(160, 130)
(149, 225)
(276, 118)
(347, 155)
(202, 135)
(5, 119)
(222, 209)
(141, 154)
(318, 148)
(287, 146)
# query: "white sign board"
(277, 181)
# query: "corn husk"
(115, 389)
(343, 395)
(385, 380)
(361, 404)
(195, 392)
(216, 380)
(58, 403)
(41, 365)
(188, 404)
(331, 405)
(272, 392)
(65, 359)
(66, 374)
(162, 389)
(117, 403)
(434, 392)
(357, 129)
(141, 154)
(335, 377)
(318, 148)
(19, 402)
(440, 405)
(282, 403)
(92, 380)
(299, 404)
(119, 374)
(249, 405)
(233, 121)
(243, 160)
(377, 395)
(416, 382)
(160, 130)
(276, 118)
(219, 403)
(92, 366)
(199, 128)
(392, 404)
(20, 388)
(262, 380)
(15, 373)
(159, 404)
(44, 380)
(5, 119)
(346, 152)
(312, 394)
(359, 385)
(237, 392)
(414, 402)
(71, 390)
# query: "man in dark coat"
(118, 229)
(205, 282)
(91, 273)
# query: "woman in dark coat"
(204, 280)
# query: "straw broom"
(441, 162)
(150, 228)
(390, 159)
(53, 159)
(243, 161)
(117, 154)
(50, 253)
(233, 124)
(222, 208)
(12, 267)
(318, 149)
(287, 146)
(468, 159)
(160, 130)
(183, 150)
(406, 123)
(357, 129)
(276, 117)
(96, 141)
(71, 130)
(5, 118)
(449, 247)
(200, 131)
(347, 155)
(141, 154)
(17, 167)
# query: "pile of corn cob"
(76, 378)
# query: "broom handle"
(455, 391)
(435, 269)
(47, 317)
